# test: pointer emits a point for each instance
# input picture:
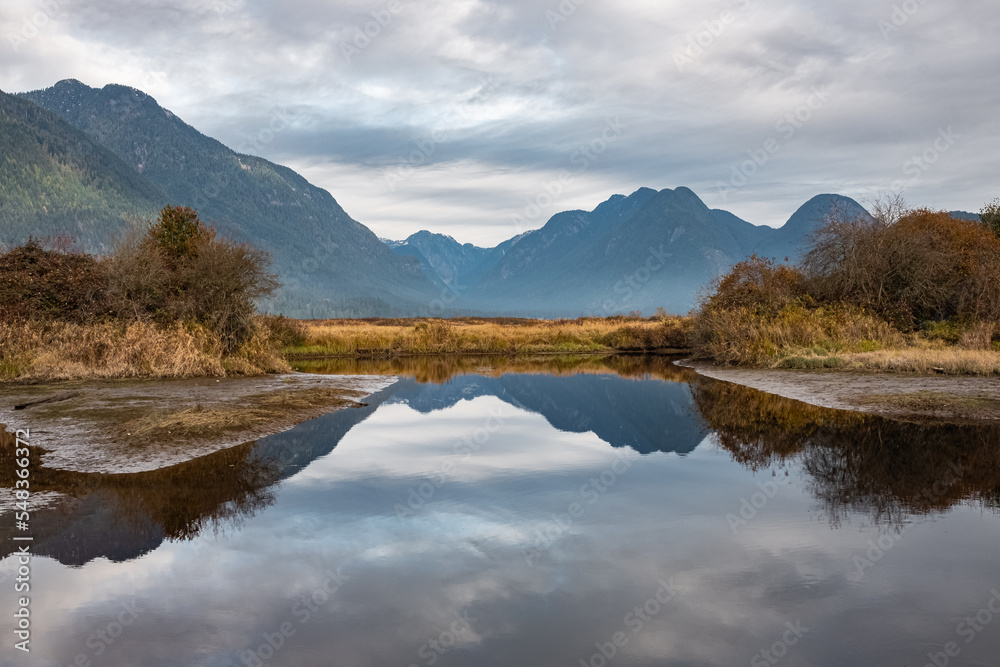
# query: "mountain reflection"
(854, 463)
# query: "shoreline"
(128, 426)
(910, 397)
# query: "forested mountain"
(55, 180)
(638, 252)
(329, 263)
(93, 157)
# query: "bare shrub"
(137, 276)
(178, 269)
(757, 283)
(926, 266)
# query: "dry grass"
(488, 336)
(258, 410)
(742, 336)
(62, 351)
(845, 338)
(949, 361)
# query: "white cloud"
(225, 66)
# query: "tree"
(179, 269)
(180, 233)
(990, 216)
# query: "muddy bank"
(938, 398)
(141, 425)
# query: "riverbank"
(899, 396)
(105, 426)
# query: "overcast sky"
(458, 115)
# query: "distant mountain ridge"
(81, 160)
(636, 252)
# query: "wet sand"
(89, 432)
(899, 396)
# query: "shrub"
(990, 216)
(756, 283)
(42, 284)
(179, 269)
(926, 266)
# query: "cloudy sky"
(479, 118)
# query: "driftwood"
(55, 398)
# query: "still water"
(567, 512)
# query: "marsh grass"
(330, 338)
(66, 350)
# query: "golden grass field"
(845, 338)
(375, 338)
(837, 338)
(65, 351)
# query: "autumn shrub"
(39, 283)
(928, 266)
(179, 269)
(756, 283)
(868, 283)
(171, 288)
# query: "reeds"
(488, 336)
(63, 351)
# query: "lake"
(568, 511)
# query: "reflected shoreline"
(854, 463)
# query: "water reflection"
(124, 516)
(508, 515)
(856, 463)
(442, 368)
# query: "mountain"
(55, 180)
(638, 252)
(646, 416)
(93, 157)
(449, 262)
(965, 215)
(329, 263)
